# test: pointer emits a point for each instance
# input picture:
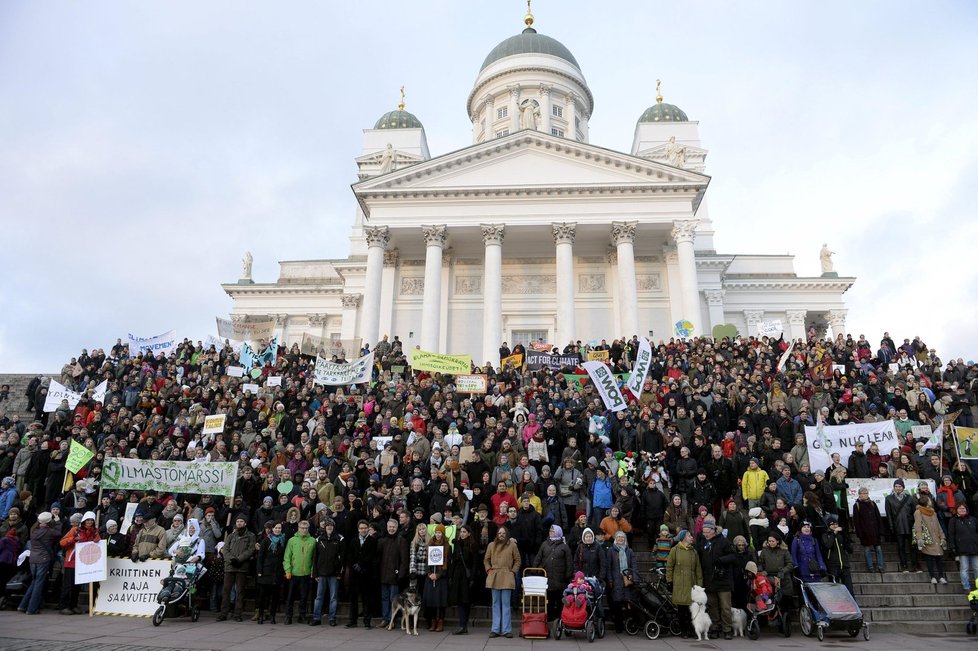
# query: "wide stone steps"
(16, 403)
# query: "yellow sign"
(214, 424)
(513, 361)
(78, 456)
(598, 355)
(422, 360)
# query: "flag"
(247, 355)
(269, 355)
(786, 355)
(935, 439)
(78, 456)
(604, 381)
(69, 482)
(643, 362)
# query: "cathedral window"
(502, 112)
(558, 111)
(502, 132)
(557, 132)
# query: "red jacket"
(76, 535)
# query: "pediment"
(532, 161)
(694, 158)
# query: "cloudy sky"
(144, 146)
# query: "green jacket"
(683, 571)
(298, 555)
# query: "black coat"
(462, 570)
(716, 558)
(270, 569)
(556, 559)
(361, 558)
(962, 535)
(393, 559)
(899, 513)
(654, 505)
(327, 557)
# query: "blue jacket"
(7, 499)
(601, 494)
(790, 491)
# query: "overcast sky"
(144, 146)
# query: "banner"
(598, 355)
(643, 362)
(165, 343)
(128, 518)
(314, 346)
(879, 488)
(422, 360)
(536, 361)
(207, 478)
(214, 424)
(235, 371)
(785, 356)
(251, 329)
(540, 347)
(251, 386)
(90, 562)
(967, 438)
(131, 588)
(333, 374)
(513, 361)
(578, 381)
(606, 384)
(78, 456)
(58, 392)
(843, 439)
(471, 383)
(270, 354)
(219, 344)
(248, 356)
(772, 328)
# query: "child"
(577, 591)
(663, 545)
(729, 446)
(760, 587)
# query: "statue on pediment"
(387, 159)
(529, 111)
(675, 153)
(825, 257)
(246, 263)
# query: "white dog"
(739, 621)
(701, 619)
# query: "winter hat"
(45, 518)
(88, 516)
(755, 512)
(577, 516)
(75, 519)
(709, 525)
(111, 523)
(682, 535)
(663, 528)
(751, 567)
(587, 530)
(899, 481)
(14, 510)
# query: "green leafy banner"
(207, 478)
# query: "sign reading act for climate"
(209, 478)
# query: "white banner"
(785, 356)
(843, 439)
(316, 346)
(248, 330)
(332, 374)
(771, 328)
(58, 392)
(165, 343)
(471, 383)
(214, 424)
(607, 385)
(208, 478)
(218, 344)
(643, 362)
(131, 588)
(90, 562)
(127, 518)
(254, 388)
(235, 371)
(880, 488)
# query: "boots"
(261, 616)
(439, 625)
(461, 630)
(272, 620)
(432, 623)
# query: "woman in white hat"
(86, 531)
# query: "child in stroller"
(582, 611)
(185, 572)
(578, 591)
(761, 590)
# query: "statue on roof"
(675, 153)
(246, 263)
(825, 256)
(529, 111)
(387, 159)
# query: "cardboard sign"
(771, 328)
(214, 424)
(598, 355)
(131, 588)
(254, 388)
(471, 383)
(467, 453)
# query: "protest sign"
(879, 488)
(513, 361)
(219, 344)
(165, 343)
(578, 381)
(333, 374)
(236, 371)
(214, 424)
(422, 360)
(471, 383)
(771, 328)
(90, 562)
(274, 381)
(606, 384)
(208, 478)
(78, 456)
(250, 329)
(843, 439)
(467, 453)
(784, 356)
(436, 555)
(248, 356)
(58, 392)
(254, 388)
(598, 355)
(967, 438)
(683, 328)
(540, 347)
(327, 347)
(841, 368)
(536, 361)
(127, 518)
(131, 588)
(643, 362)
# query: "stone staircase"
(16, 403)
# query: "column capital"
(318, 319)
(351, 300)
(493, 234)
(623, 232)
(514, 91)
(546, 88)
(684, 230)
(391, 256)
(753, 317)
(571, 98)
(837, 316)
(670, 254)
(489, 99)
(434, 235)
(280, 319)
(796, 317)
(564, 232)
(714, 297)
(377, 236)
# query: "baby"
(577, 591)
(760, 587)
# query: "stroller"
(179, 586)
(772, 614)
(655, 599)
(829, 605)
(590, 621)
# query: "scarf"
(622, 557)
(926, 510)
(276, 541)
(558, 533)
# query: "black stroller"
(180, 586)
(656, 599)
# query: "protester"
(683, 571)
(502, 563)
(929, 538)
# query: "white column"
(388, 284)
(492, 293)
(377, 238)
(796, 324)
(488, 117)
(570, 114)
(837, 321)
(351, 304)
(753, 317)
(671, 259)
(564, 234)
(514, 108)
(446, 282)
(684, 232)
(714, 303)
(434, 237)
(623, 237)
(545, 110)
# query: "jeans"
(35, 593)
(868, 552)
(324, 583)
(501, 617)
(388, 595)
(298, 589)
(968, 564)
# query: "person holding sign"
(84, 532)
(436, 579)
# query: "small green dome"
(399, 119)
(661, 112)
(529, 42)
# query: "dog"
(701, 619)
(408, 603)
(739, 618)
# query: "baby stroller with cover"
(655, 602)
(587, 619)
(828, 605)
(180, 586)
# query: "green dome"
(529, 42)
(399, 119)
(663, 113)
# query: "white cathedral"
(533, 232)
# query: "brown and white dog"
(408, 603)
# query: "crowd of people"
(361, 493)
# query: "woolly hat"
(88, 516)
(899, 481)
(111, 523)
(751, 567)
(682, 535)
(45, 518)
(663, 528)
(755, 512)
